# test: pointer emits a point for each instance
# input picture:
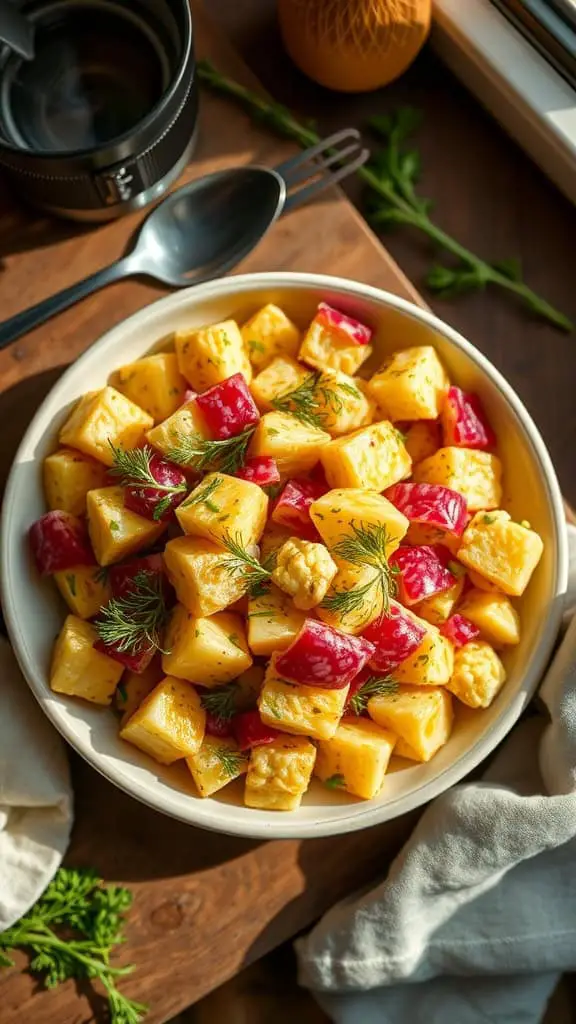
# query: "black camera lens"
(102, 119)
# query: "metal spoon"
(202, 230)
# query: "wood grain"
(205, 904)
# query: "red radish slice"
(459, 630)
(216, 726)
(292, 507)
(322, 656)
(464, 422)
(60, 541)
(261, 470)
(121, 577)
(396, 636)
(250, 731)
(158, 503)
(228, 408)
(422, 572)
(430, 504)
(337, 321)
(133, 662)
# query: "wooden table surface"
(206, 904)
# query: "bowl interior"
(34, 613)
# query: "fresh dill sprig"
(374, 686)
(314, 390)
(231, 761)
(133, 469)
(221, 702)
(245, 567)
(203, 495)
(72, 931)
(366, 545)
(392, 200)
(134, 623)
(203, 454)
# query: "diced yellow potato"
(280, 376)
(279, 774)
(197, 570)
(504, 552)
(134, 686)
(431, 664)
(329, 349)
(218, 762)
(273, 622)
(304, 570)
(337, 512)
(102, 419)
(475, 475)
(356, 758)
(211, 354)
(301, 710)
(180, 426)
(248, 686)
(421, 717)
(411, 385)
(68, 476)
(481, 583)
(115, 531)
(373, 458)
(438, 608)
(272, 539)
(478, 675)
(269, 333)
(295, 446)
(343, 403)
(495, 616)
(169, 723)
(208, 651)
(423, 533)
(85, 590)
(154, 383)
(224, 506)
(422, 439)
(77, 669)
(370, 605)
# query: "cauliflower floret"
(304, 570)
(478, 674)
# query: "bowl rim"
(208, 815)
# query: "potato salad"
(277, 567)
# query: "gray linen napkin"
(477, 916)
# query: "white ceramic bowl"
(34, 613)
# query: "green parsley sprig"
(391, 178)
(76, 902)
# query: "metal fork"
(342, 150)
(205, 228)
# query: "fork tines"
(310, 172)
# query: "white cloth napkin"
(35, 795)
(477, 915)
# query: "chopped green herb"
(114, 526)
(374, 686)
(257, 346)
(231, 761)
(203, 497)
(488, 519)
(122, 691)
(71, 581)
(335, 782)
(235, 639)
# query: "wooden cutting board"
(205, 904)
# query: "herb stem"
(395, 188)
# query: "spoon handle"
(22, 322)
